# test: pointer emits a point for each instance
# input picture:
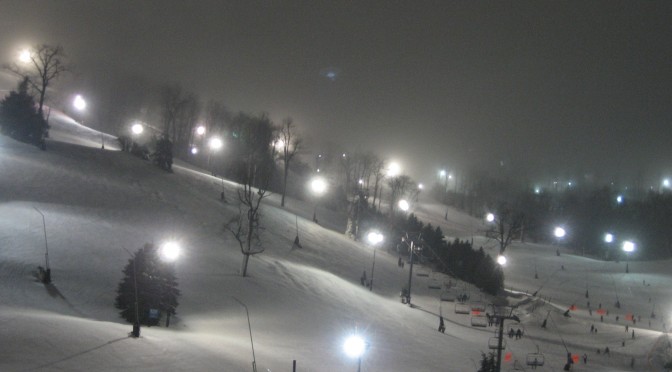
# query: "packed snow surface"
(303, 303)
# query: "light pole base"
(136, 330)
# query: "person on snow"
(442, 326)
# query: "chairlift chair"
(478, 306)
(535, 359)
(494, 341)
(423, 272)
(462, 308)
(479, 321)
(447, 295)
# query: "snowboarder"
(442, 326)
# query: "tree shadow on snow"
(79, 353)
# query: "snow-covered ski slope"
(302, 302)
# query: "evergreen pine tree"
(156, 286)
(488, 363)
(19, 117)
(163, 154)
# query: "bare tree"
(291, 143)
(174, 103)
(255, 169)
(246, 224)
(505, 226)
(378, 173)
(216, 117)
(398, 185)
(44, 65)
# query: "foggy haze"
(544, 90)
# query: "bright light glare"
(608, 238)
(421, 186)
(537, 190)
(403, 205)
(200, 130)
(442, 173)
(194, 150)
(559, 232)
(354, 346)
(393, 169)
(24, 56)
(280, 144)
(79, 103)
(666, 182)
(628, 246)
(318, 186)
(170, 251)
(619, 199)
(137, 128)
(375, 237)
(489, 217)
(215, 143)
(501, 260)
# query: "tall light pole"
(412, 247)
(628, 247)
(374, 239)
(136, 325)
(249, 327)
(318, 186)
(46, 276)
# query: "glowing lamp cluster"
(24, 56)
(403, 205)
(215, 143)
(137, 128)
(608, 238)
(559, 232)
(501, 260)
(354, 346)
(200, 130)
(374, 237)
(169, 251)
(318, 185)
(393, 169)
(628, 246)
(490, 217)
(79, 103)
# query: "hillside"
(302, 302)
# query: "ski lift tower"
(502, 313)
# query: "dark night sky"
(548, 89)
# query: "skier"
(626, 328)
(442, 326)
(585, 358)
(633, 334)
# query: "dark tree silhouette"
(156, 287)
